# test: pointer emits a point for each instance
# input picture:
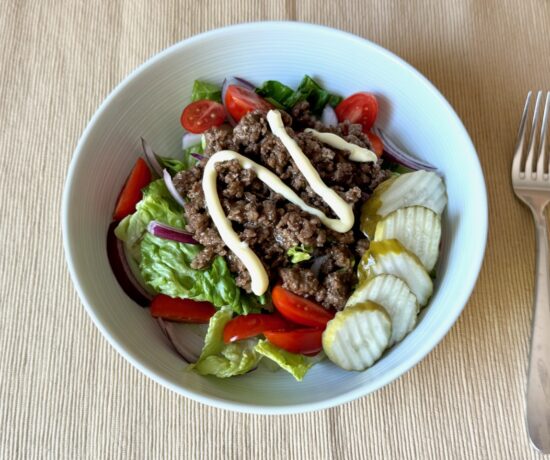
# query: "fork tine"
(520, 144)
(542, 166)
(534, 134)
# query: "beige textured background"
(65, 393)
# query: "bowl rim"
(413, 359)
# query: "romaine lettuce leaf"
(299, 254)
(156, 204)
(308, 90)
(296, 364)
(223, 360)
(205, 90)
(166, 267)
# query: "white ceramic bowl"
(148, 103)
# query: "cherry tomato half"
(181, 310)
(201, 115)
(304, 341)
(359, 108)
(239, 101)
(131, 192)
(376, 144)
(251, 325)
(300, 310)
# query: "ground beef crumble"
(268, 223)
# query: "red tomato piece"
(181, 310)
(376, 144)
(359, 108)
(300, 310)
(304, 341)
(239, 101)
(131, 192)
(251, 325)
(201, 115)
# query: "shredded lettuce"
(299, 254)
(156, 204)
(205, 90)
(296, 364)
(166, 267)
(285, 97)
(223, 360)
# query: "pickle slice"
(417, 228)
(418, 188)
(392, 258)
(356, 337)
(397, 299)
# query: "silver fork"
(531, 183)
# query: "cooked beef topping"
(268, 223)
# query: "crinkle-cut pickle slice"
(356, 337)
(418, 188)
(397, 299)
(417, 228)
(392, 258)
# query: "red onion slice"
(122, 271)
(328, 117)
(318, 263)
(151, 157)
(234, 81)
(170, 233)
(186, 338)
(190, 139)
(198, 156)
(393, 153)
(172, 188)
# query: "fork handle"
(538, 375)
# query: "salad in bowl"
(288, 230)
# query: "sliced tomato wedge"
(359, 108)
(239, 101)
(201, 115)
(376, 143)
(251, 325)
(300, 310)
(181, 310)
(131, 192)
(304, 341)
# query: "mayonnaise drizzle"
(340, 207)
(359, 154)
(344, 211)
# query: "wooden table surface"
(65, 393)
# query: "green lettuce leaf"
(296, 364)
(309, 90)
(299, 254)
(204, 90)
(223, 360)
(187, 161)
(166, 268)
(156, 204)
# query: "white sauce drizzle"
(359, 154)
(344, 211)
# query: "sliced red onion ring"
(234, 81)
(122, 271)
(198, 156)
(397, 155)
(172, 188)
(317, 264)
(190, 139)
(328, 117)
(186, 338)
(170, 233)
(151, 157)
